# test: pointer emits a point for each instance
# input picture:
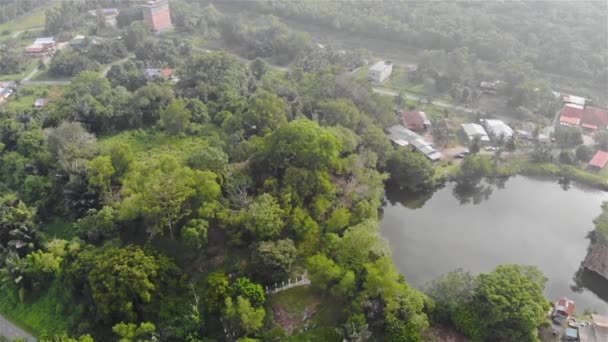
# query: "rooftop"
(403, 137)
(594, 118)
(577, 100)
(599, 160)
(498, 128)
(474, 130)
(380, 66)
(415, 119)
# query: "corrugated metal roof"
(380, 66)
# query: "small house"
(576, 100)
(415, 120)
(571, 114)
(380, 71)
(41, 45)
(158, 73)
(599, 160)
(40, 103)
(474, 131)
(109, 14)
(6, 90)
(78, 42)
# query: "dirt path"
(12, 332)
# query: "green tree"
(162, 191)
(568, 136)
(13, 214)
(97, 224)
(258, 68)
(508, 305)
(254, 293)
(264, 218)
(125, 278)
(129, 332)
(567, 157)
(584, 153)
(194, 234)
(218, 288)
(242, 317)
(340, 112)
(450, 292)
(360, 244)
(175, 118)
(411, 170)
(101, 172)
(265, 113)
(273, 259)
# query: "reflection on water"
(477, 227)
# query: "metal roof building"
(473, 130)
(404, 137)
(497, 128)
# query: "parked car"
(491, 148)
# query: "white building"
(497, 128)
(380, 71)
(473, 131)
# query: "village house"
(415, 120)
(402, 136)
(41, 46)
(158, 73)
(599, 160)
(380, 71)
(109, 14)
(474, 131)
(564, 309)
(577, 100)
(157, 14)
(40, 103)
(497, 128)
(6, 90)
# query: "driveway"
(13, 332)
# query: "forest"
(138, 209)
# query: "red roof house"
(599, 160)
(594, 118)
(416, 120)
(571, 114)
(564, 307)
(167, 72)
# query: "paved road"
(12, 332)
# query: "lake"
(518, 221)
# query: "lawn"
(31, 20)
(24, 99)
(150, 143)
(323, 314)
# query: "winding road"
(13, 332)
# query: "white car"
(491, 148)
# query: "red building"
(157, 14)
(571, 114)
(594, 118)
(599, 160)
(416, 120)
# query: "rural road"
(18, 33)
(384, 91)
(12, 332)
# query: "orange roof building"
(599, 160)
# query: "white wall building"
(380, 71)
(496, 128)
(473, 130)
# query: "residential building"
(571, 114)
(380, 71)
(564, 308)
(78, 42)
(473, 131)
(6, 90)
(415, 120)
(41, 45)
(157, 14)
(497, 128)
(599, 160)
(594, 118)
(40, 103)
(158, 73)
(402, 136)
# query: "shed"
(39, 103)
(473, 130)
(599, 160)
(380, 71)
(497, 128)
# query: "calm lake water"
(521, 221)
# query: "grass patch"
(31, 65)
(31, 20)
(24, 99)
(150, 143)
(321, 326)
